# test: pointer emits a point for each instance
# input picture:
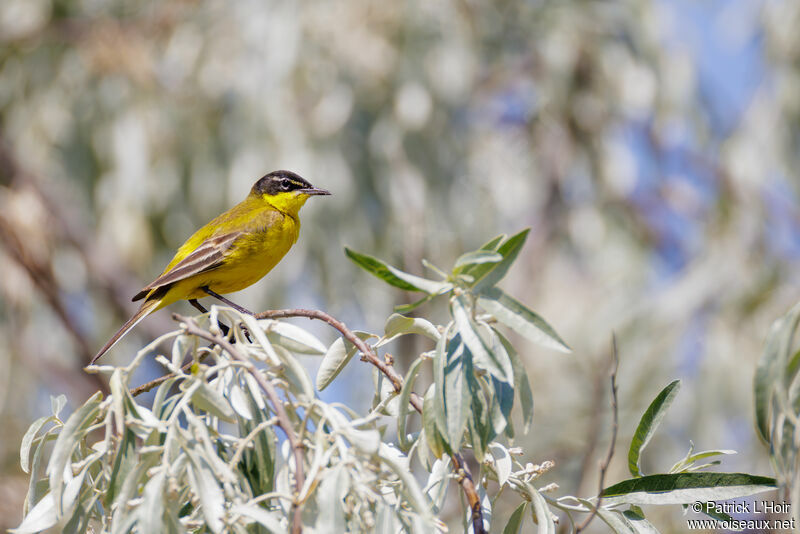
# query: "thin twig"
(369, 355)
(190, 326)
(615, 425)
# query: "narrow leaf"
(515, 521)
(396, 277)
(27, 440)
(488, 274)
(521, 319)
(649, 423)
(475, 258)
(336, 358)
(521, 383)
(403, 404)
(685, 488)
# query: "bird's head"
(285, 190)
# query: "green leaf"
(336, 358)
(476, 257)
(205, 487)
(432, 436)
(398, 325)
(541, 512)
(502, 462)
(396, 277)
(521, 383)
(294, 372)
(330, 500)
(207, 399)
(292, 337)
(268, 520)
(488, 274)
(151, 510)
(405, 308)
(649, 422)
(456, 393)
(124, 462)
(521, 319)
(616, 521)
(57, 404)
(685, 488)
(439, 363)
(404, 406)
(69, 437)
(27, 440)
(638, 522)
(515, 521)
(487, 352)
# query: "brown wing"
(207, 256)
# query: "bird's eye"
(286, 184)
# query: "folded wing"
(208, 256)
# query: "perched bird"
(232, 251)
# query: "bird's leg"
(198, 306)
(235, 307)
(228, 302)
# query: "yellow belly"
(251, 257)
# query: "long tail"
(147, 307)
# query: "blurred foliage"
(651, 146)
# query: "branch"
(369, 355)
(190, 327)
(615, 425)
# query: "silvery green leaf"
(433, 438)
(338, 354)
(293, 337)
(521, 319)
(638, 522)
(437, 484)
(403, 405)
(456, 393)
(488, 274)
(398, 325)
(57, 404)
(515, 521)
(27, 440)
(686, 488)
(541, 513)
(398, 464)
(649, 423)
(260, 337)
(330, 501)
(41, 517)
(386, 520)
(521, 382)
(396, 277)
(151, 509)
(71, 433)
(207, 399)
(502, 462)
(239, 402)
(616, 521)
(476, 257)
(296, 374)
(269, 520)
(205, 486)
(487, 351)
(180, 347)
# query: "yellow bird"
(232, 251)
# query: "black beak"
(311, 191)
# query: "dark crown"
(280, 182)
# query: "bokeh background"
(651, 146)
